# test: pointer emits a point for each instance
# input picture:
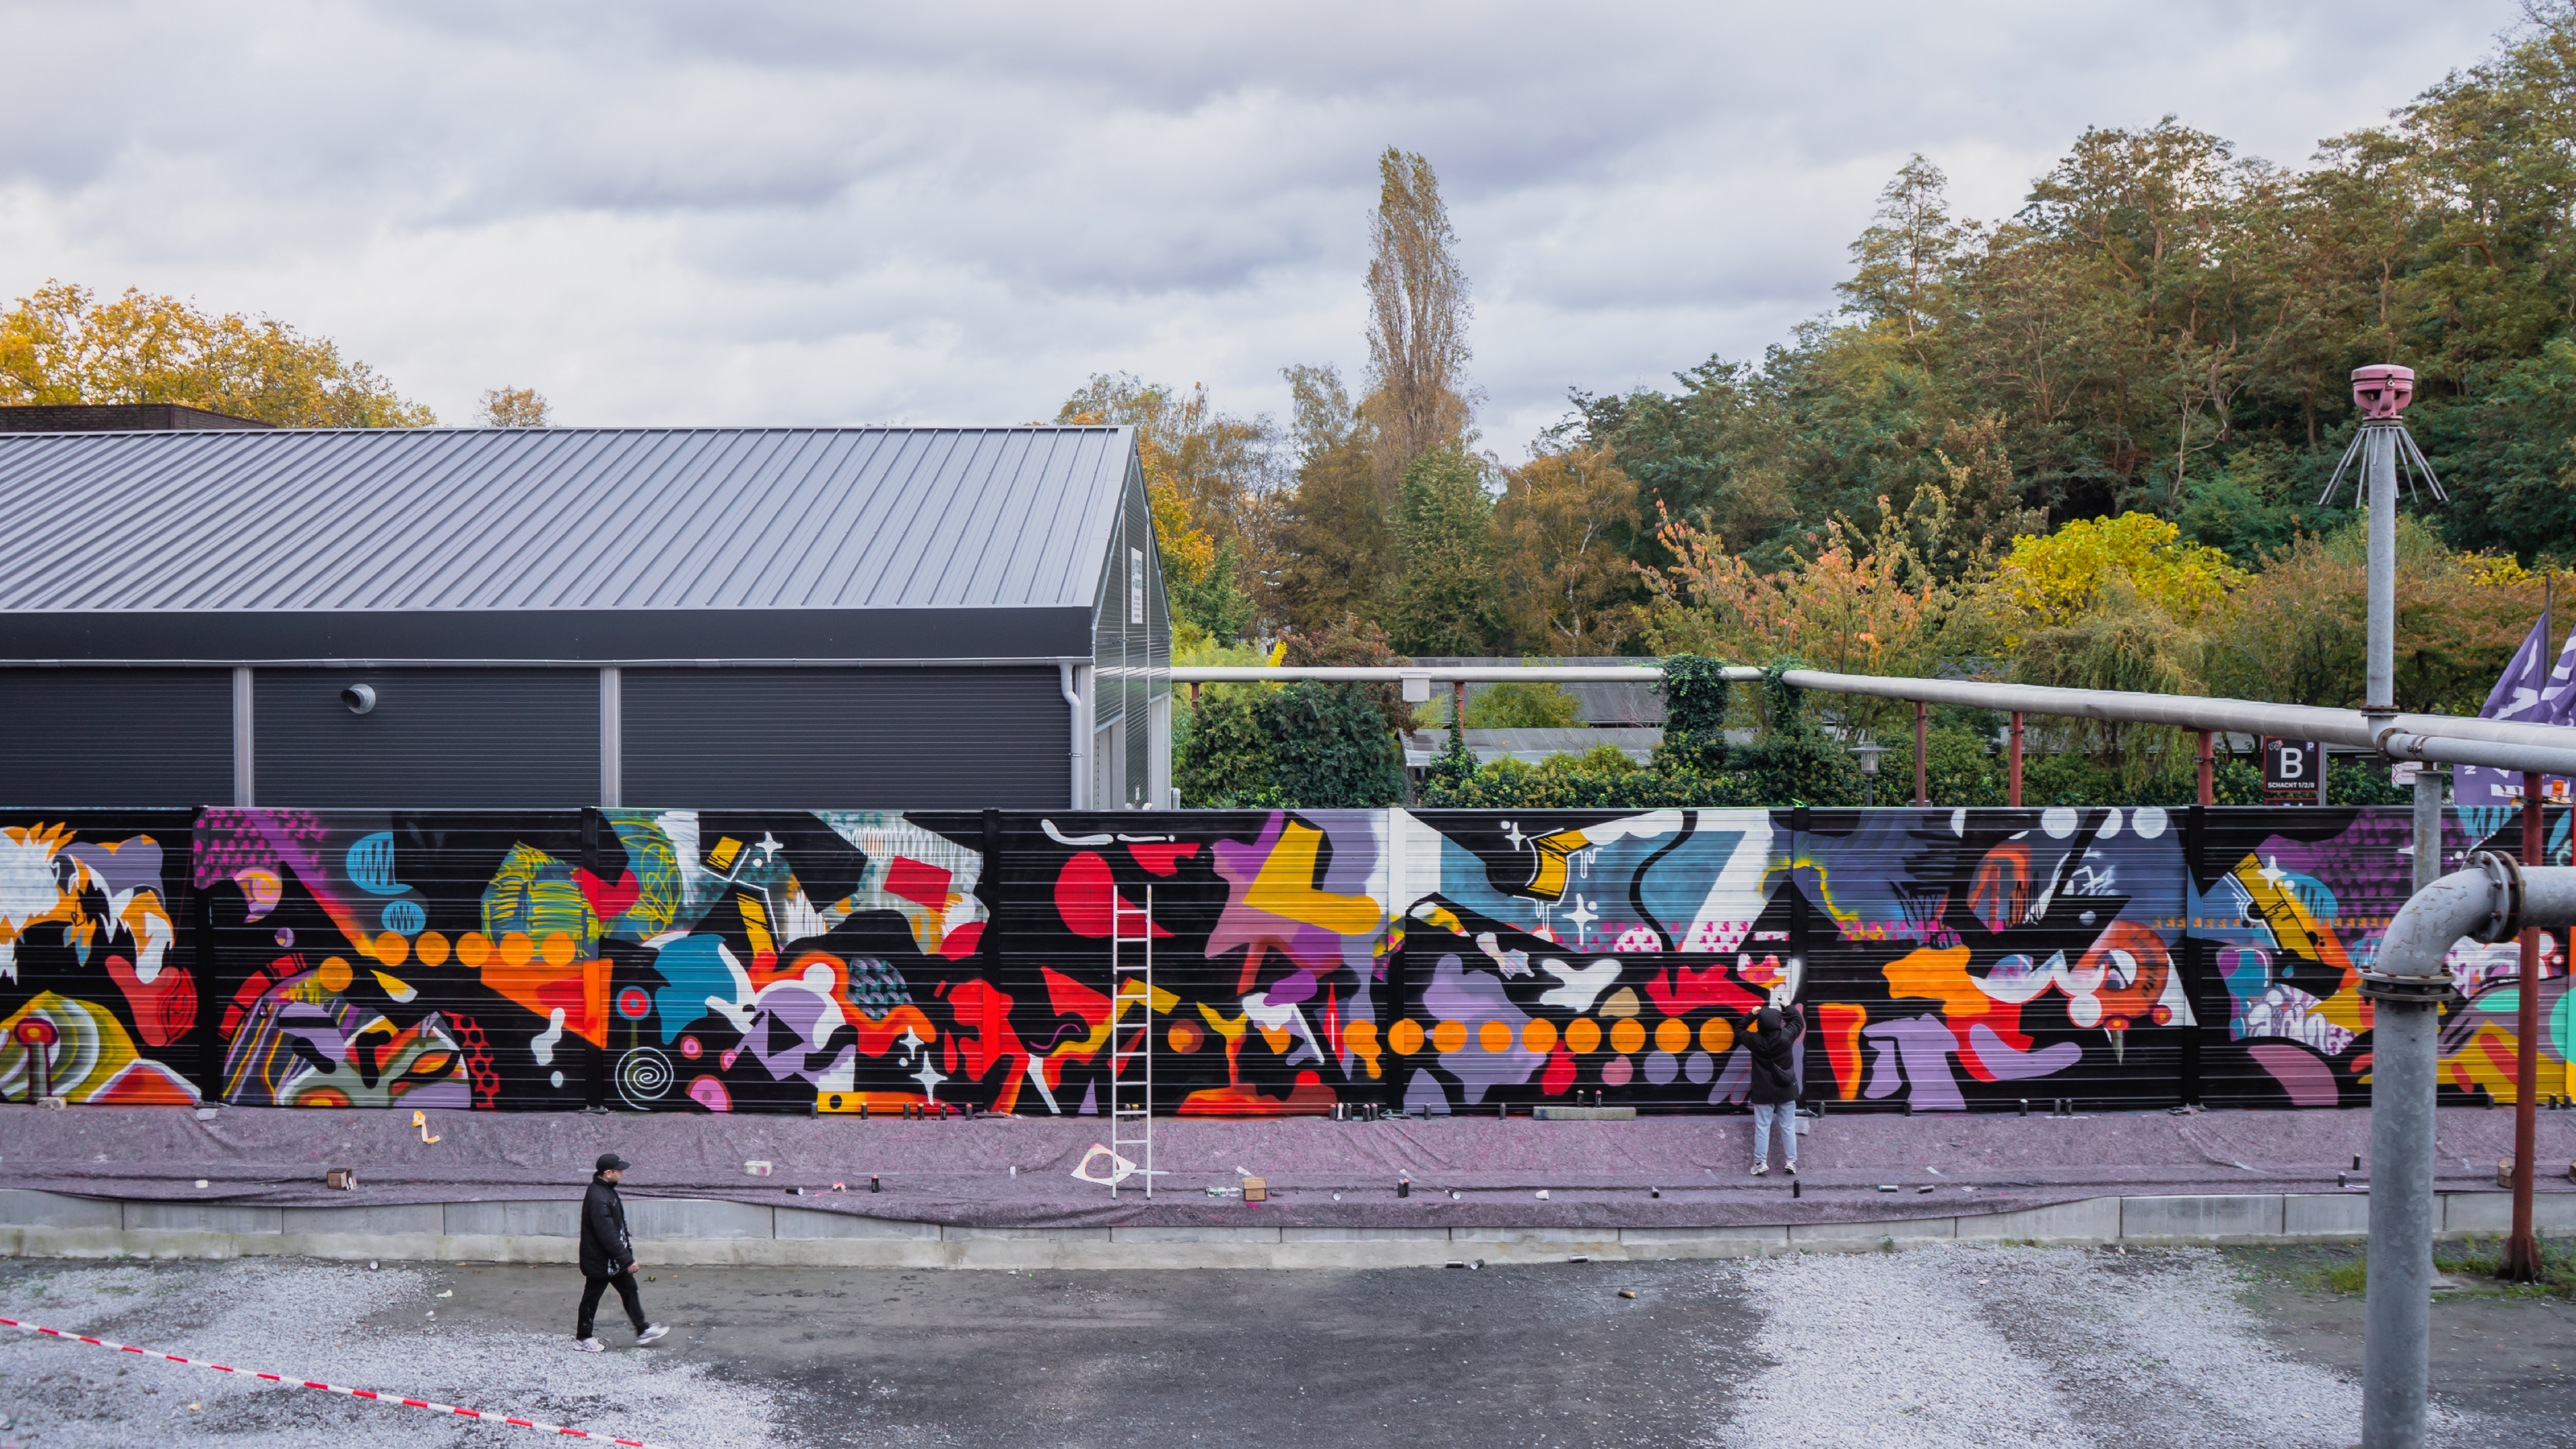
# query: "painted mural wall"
(1445, 961)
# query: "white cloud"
(804, 213)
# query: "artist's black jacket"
(605, 1249)
(1773, 1081)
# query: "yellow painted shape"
(1405, 1037)
(1286, 888)
(1449, 1036)
(1622, 1003)
(1583, 1036)
(1672, 1035)
(1715, 1036)
(2486, 1061)
(1627, 1036)
(2298, 932)
(722, 856)
(1549, 884)
(1231, 1030)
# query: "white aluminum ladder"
(1131, 1093)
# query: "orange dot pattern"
(1582, 1036)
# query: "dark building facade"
(879, 618)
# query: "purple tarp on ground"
(956, 1172)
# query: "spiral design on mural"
(643, 1075)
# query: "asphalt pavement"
(1985, 1345)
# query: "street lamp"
(1869, 750)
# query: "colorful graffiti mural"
(1445, 961)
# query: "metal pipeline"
(2548, 749)
(2491, 902)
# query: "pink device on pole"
(2382, 390)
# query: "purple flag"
(2524, 694)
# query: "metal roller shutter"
(436, 739)
(852, 739)
(116, 737)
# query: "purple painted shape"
(1922, 1045)
(2309, 1082)
(2008, 1065)
(1456, 994)
(1735, 1082)
(1289, 990)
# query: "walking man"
(1775, 1084)
(608, 1257)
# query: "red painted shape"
(1308, 1098)
(923, 885)
(1068, 997)
(1690, 990)
(1559, 1074)
(607, 902)
(1084, 894)
(165, 1010)
(1163, 859)
(256, 987)
(986, 1012)
(1841, 1032)
(960, 943)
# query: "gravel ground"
(337, 1322)
(1936, 1347)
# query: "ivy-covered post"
(1695, 699)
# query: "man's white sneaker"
(588, 1345)
(1760, 1168)
(651, 1332)
(1791, 1169)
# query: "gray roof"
(551, 523)
(559, 518)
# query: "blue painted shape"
(371, 864)
(693, 968)
(405, 918)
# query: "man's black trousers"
(591, 1290)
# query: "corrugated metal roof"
(558, 518)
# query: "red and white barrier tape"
(330, 1388)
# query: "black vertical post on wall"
(2187, 953)
(1798, 916)
(594, 1058)
(988, 889)
(210, 997)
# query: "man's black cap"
(611, 1162)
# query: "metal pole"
(2208, 771)
(2379, 459)
(2521, 1258)
(1922, 779)
(1458, 705)
(2013, 787)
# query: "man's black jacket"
(605, 1249)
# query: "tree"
(1905, 256)
(1418, 312)
(2047, 583)
(1335, 554)
(515, 407)
(1448, 597)
(1209, 481)
(1566, 581)
(1222, 755)
(61, 345)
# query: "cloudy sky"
(760, 212)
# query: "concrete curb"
(699, 1232)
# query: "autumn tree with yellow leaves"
(61, 345)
